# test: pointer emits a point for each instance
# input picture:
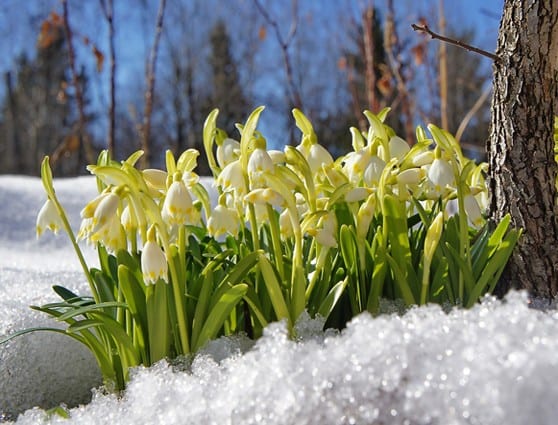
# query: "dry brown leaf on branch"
(51, 30)
(99, 58)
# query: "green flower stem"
(182, 242)
(276, 240)
(463, 240)
(253, 226)
(298, 289)
(46, 177)
(181, 313)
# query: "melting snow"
(496, 363)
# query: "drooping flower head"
(48, 218)
(154, 264)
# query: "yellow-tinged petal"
(223, 220)
(48, 218)
(178, 207)
(227, 152)
(153, 263)
(155, 179)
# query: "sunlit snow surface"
(496, 363)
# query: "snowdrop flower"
(473, 211)
(355, 164)
(398, 147)
(259, 163)
(178, 208)
(286, 225)
(433, 235)
(127, 220)
(223, 220)
(325, 235)
(357, 194)
(265, 196)
(153, 264)
(89, 210)
(277, 157)
(112, 236)
(335, 177)
(365, 215)
(155, 179)
(48, 218)
(373, 171)
(441, 175)
(106, 209)
(317, 157)
(410, 176)
(231, 178)
(423, 158)
(227, 152)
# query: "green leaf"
(209, 127)
(398, 236)
(401, 280)
(219, 314)
(332, 298)
(347, 243)
(92, 308)
(134, 294)
(64, 293)
(158, 322)
(200, 313)
(274, 289)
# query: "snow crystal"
(495, 363)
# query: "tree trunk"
(522, 176)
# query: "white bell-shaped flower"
(48, 218)
(398, 147)
(227, 152)
(178, 208)
(355, 163)
(473, 211)
(223, 220)
(317, 157)
(105, 211)
(373, 171)
(231, 178)
(441, 175)
(155, 179)
(154, 264)
(259, 163)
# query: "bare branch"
(474, 109)
(391, 41)
(443, 71)
(85, 153)
(108, 12)
(284, 44)
(427, 30)
(150, 89)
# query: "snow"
(493, 364)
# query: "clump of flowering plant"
(292, 230)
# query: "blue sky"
(19, 21)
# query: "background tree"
(40, 115)
(521, 146)
(227, 92)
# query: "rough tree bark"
(522, 174)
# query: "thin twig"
(296, 99)
(474, 109)
(368, 41)
(427, 30)
(391, 41)
(443, 70)
(85, 154)
(149, 92)
(108, 12)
